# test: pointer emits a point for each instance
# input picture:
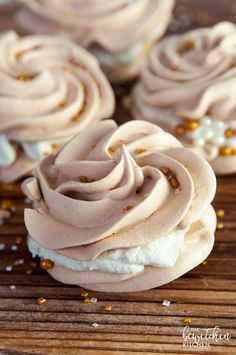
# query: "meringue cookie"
(118, 32)
(188, 87)
(121, 208)
(50, 89)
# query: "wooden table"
(138, 323)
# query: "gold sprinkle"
(180, 130)
(84, 294)
(220, 213)
(220, 226)
(33, 264)
(189, 45)
(18, 54)
(141, 150)
(18, 262)
(6, 204)
(127, 208)
(87, 300)
(25, 77)
(85, 179)
(174, 182)
(67, 70)
(28, 271)
(166, 171)
(46, 264)
(108, 308)
(204, 262)
(225, 150)
(62, 104)
(192, 125)
(229, 132)
(41, 300)
(112, 150)
(75, 118)
(187, 320)
(18, 240)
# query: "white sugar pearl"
(52, 172)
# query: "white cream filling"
(162, 252)
(34, 151)
(111, 59)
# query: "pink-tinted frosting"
(113, 25)
(190, 76)
(67, 91)
(125, 201)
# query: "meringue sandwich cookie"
(121, 208)
(188, 87)
(118, 32)
(50, 90)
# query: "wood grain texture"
(138, 322)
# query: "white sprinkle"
(2, 246)
(93, 300)
(95, 325)
(27, 200)
(14, 247)
(12, 287)
(9, 268)
(20, 261)
(166, 303)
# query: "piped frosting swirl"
(50, 89)
(118, 32)
(188, 87)
(111, 190)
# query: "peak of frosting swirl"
(50, 89)
(117, 32)
(116, 193)
(192, 77)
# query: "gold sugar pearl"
(204, 262)
(75, 118)
(174, 182)
(220, 226)
(18, 54)
(180, 130)
(229, 132)
(28, 271)
(33, 264)
(85, 179)
(62, 104)
(189, 45)
(84, 294)
(46, 264)
(192, 125)
(67, 69)
(220, 213)
(41, 300)
(87, 300)
(175, 65)
(108, 308)
(18, 240)
(6, 204)
(187, 320)
(166, 171)
(18, 262)
(225, 150)
(25, 77)
(67, 14)
(127, 208)
(141, 150)
(112, 150)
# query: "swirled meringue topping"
(50, 89)
(115, 200)
(118, 32)
(188, 87)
